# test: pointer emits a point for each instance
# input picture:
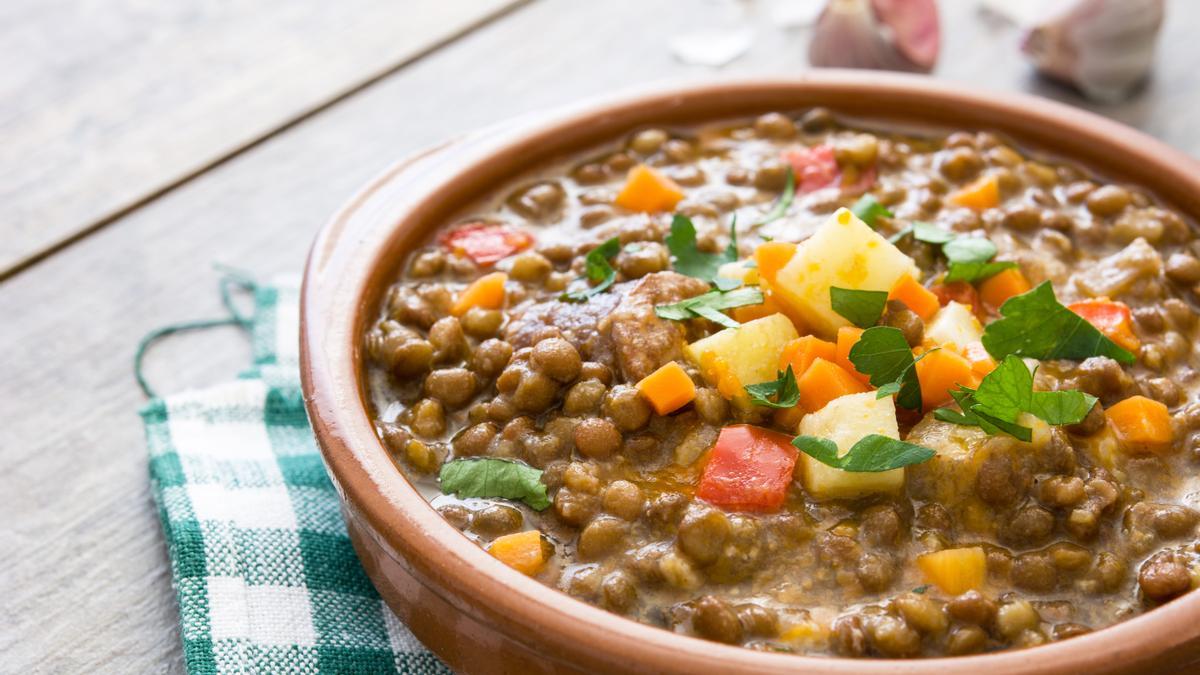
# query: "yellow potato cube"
(738, 270)
(846, 420)
(954, 325)
(843, 252)
(751, 352)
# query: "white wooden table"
(141, 142)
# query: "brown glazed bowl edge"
(480, 616)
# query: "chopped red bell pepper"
(1111, 318)
(964, 294)
(749, 469)
(486, 242)
(814, 168)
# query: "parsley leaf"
(870, 454)
(597, 270)
(785, 200)
(883, 354)
(969, 250)
(861, 308)
(926, 232)
(726, 283)
(708, 306)
(490, 477)
(783, 388)
(1036, 325)
(1006, 393)
(974, 272)
(867, 208)
(690, 260)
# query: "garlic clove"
(880, 34)
(1105, 48)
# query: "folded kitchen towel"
(263, 568)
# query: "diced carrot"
(1000, 287)
(771, 256)
(1111, 318)
(982, 193)
(955, 570)
(716, 370)
(824, 381)
(801, 352)
(668, 389)
(648, 190)
(979, 358)
(916, 297)
(847, 337)
(940, 372)
(523, 551)
(962, 293)
(1142, 425)
(750, 469)
(751, 312)
(487, 292)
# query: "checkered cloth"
(266, 578)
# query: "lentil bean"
(1065, 631)
(557, 358)
(817, 119)
(584, 397)
(619, 162)
(618, 593)
(966, 640)
(394, 436)
(892, 637)
(626, 408)
(959, 164)
(597, 438)
(1092, 424)
(490, 357)
(1013, 618)
(711, 406)
(875, 571)
(678, 151)
(881, 525)
(1110, 572)
(481, 323)
(702, 534)
(715, 620)
(457, 515)
(678, 571)
(530, 266)
(623, 499)
(601, 536)
(972, 607)
(640, 448)
(757, 620)
(1029, 526)
(646, 258)
(496, 520)
(449, 343)
(591, 370)
(474, 440)
(922, 613)
(1023, 217)
(582, 477)
(427, 264)
(573, 507)
(849, 637)
(996, 482)
(1163, 390)
(534, 392)
(424, 458)
(1062, 491)
(898, 315)
(428, 418)
(666, 509)
(771, 176)
(1034, 572)
(648, 141)
(541, 201)
(775, 126)
(1164, 576)
(1108, 200)
(1070, 557)
(454, 387)
(1183, 268)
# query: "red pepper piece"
(485, 242)
(750, 469)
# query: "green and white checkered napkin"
(266, 578)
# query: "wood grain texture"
(106, 102)
(83, 571)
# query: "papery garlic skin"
(1103, 47)
(878, 34)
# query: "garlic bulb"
(881, 34)
(1103, 47)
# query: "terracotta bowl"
(482, 617)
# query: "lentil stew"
(772, 383)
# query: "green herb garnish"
(926, 232)
(597, 270)
(861, 308)
(785, 200)
(870, 454)
(783, 388)
(883, 354)
(867, 208)
(974, 272)
(969, 257)
(688, 259)
(709, 306)
(1036, 325)
(489, 477)
(1006, 393)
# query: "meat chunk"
(641, 340)
(618, 328)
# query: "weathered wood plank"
(103, 104)
(85, 583)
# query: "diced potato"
(955, 325)
(843, 252)
(751, 352)
(738, 270)
(845, 421)
(955, 570)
